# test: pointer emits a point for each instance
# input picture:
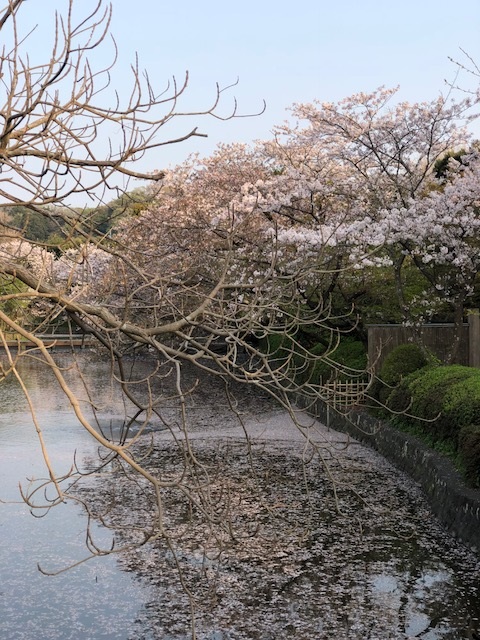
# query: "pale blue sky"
(286, 52)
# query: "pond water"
(93, 600)
(372, 564)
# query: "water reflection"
(396, 576)
(314, 572)
(93, 600)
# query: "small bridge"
(51, 340)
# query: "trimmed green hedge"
(402, 361)
(469, 452)
(399, 363)
(442, 403)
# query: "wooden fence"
(437, 338)
(344, 395)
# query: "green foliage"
(319, 363)
(48, 224)
(102, 219)
(319, 369)
(15, 307)
(277, 345)
(34, 225)
(430, 390)
(285, 351)
(443, 404)
(401, 361)
(345, 360)
(373, 291)
(460, 406)
(398, 399)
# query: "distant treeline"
(55, 225)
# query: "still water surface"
(381, 587)
(92, 601)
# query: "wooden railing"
(13, 340)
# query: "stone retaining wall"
(456, 505)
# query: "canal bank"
(455, 504)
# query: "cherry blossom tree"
(196, 279)
(438, 233)
(357, 165)
(222, 255)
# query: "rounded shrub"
(429, 392)
(401, 361)
(398, 364)
(460, 405)
(399, 398)
(442, 405)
